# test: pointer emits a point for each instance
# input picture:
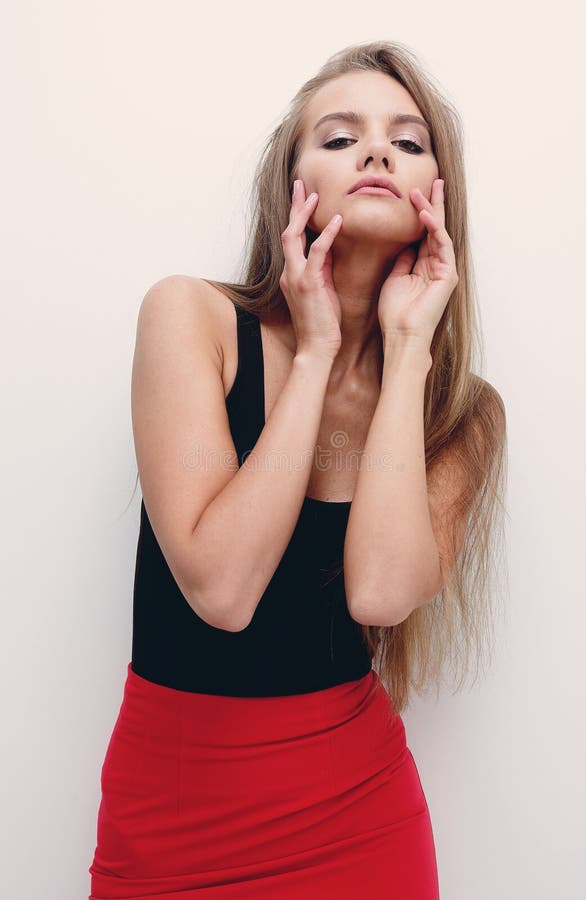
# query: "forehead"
(374, 94)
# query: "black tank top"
(301, 637)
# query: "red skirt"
(208, 797)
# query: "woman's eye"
(415, 147)
(335, 141)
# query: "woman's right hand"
(307, 284)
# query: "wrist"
(313, 359)
(407, 350)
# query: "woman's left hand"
(411, 303)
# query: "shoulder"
(188, 295)
(190, 304)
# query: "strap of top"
(245, 401)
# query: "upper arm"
(181, 431)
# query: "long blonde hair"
(461, 409)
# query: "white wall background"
(130, 133)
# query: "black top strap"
(245, 401)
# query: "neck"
(358, 275)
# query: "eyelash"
(401, 141)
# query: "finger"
(441, 243)
(299, 194)
(434, 225)
(433, 220)
(298, 200)
(436, 205)
(404, 262)
(293, 237)
(438, 196)
(437, 192)
(321, 245)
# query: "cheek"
(308, 175)
(321, 214)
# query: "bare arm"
(391, 557)
(222, 529)
(242, 534)
(420, 517)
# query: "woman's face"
(376, 146)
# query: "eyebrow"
(357, 119)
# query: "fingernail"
(295, 184)
(312, 197)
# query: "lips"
(376, 181)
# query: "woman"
(319, 469)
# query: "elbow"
(370, 609)
(379, 605)
(216, 610)
(383, 614)
(389, 611)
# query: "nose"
(379, 151)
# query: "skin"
(375, 229)
(390, 274)
(367, 402)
